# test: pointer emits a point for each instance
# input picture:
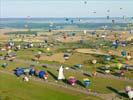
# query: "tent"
(61, 74)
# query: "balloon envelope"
(61, 74)
(130, 94)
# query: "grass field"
(12, 88)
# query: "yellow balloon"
(119, 65)
(48, 49)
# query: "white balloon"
(130, 94)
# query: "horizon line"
(70, 17)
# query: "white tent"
(61, 74)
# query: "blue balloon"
(19, 71)
(87, 83)
(41, 74)
(32, 71)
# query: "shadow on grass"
(80, 83)
(99, 71)
(122, 94)
(66, 81)
(54, 76)
(86, 74)
(116, 74)
(73, 68)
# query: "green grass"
(13, 88)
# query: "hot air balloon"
(129, 56)
(72, 21)
(129, 91)
(113, 21)
(87, 82)
(61, 74)
(43, 75)
(130, 94)
(4, 65)
(78, 65)
(123, 53)
(94, 61)
(94, 12)
(67, 19)
(85, 2)
(108, 11)
(32, 71)
(85, 32)
(128, 88)
(107, 17)
(72, 80)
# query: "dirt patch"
(58, 57)
(91, 51)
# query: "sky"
(65, 8)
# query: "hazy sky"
(65, 8)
